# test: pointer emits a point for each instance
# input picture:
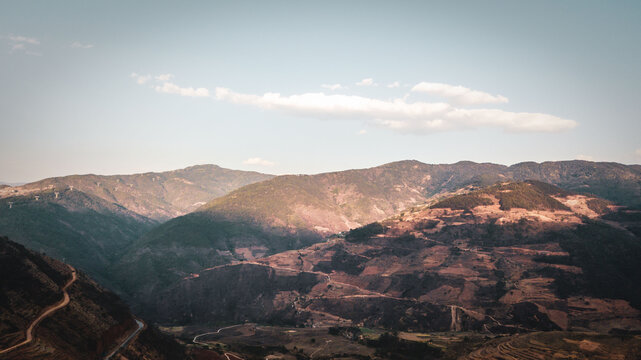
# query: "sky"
(118, 87)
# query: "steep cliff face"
(81, 320)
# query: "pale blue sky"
(69, 103)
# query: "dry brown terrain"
(430, 269)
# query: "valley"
(320, 180)
(404, 260)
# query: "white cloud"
(459, 94)
(79, 45)
(258, 161)
(168, 87)
(171, 88)
(362, 132)
(585, 157)
(140, 79)
(398, 114)
(21, 44)
(164, 77)
(393, 85)
(333, 87)
(22, 39)
(366, 82)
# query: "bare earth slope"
(289, 212)
(509, 258)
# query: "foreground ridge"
(64, 302)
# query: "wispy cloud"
(171, 88)
(21, 44)
(459, 94)
(164, 77)
(362, 132)
(22, 39)
(393, 85)
(333, 87)
(140, 79)
(398, 114)
(258, 161)
(163, 85)
(366, 82)
(79, 45)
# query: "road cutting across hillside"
(50, 310)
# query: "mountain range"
(292, 211)
(155, 195)
(512, 257)
(405, 246)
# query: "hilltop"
(286, 212)
(292, 211)
(156, 195)
(529, 256)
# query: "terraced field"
(560, 345)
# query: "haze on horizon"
(288, 87)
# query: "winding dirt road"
(228, 356)
(48, 311)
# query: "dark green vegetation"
(240, 293)
(599, 206)
(463, 202)
(88, 232)
(166, 254)
(391, 346)
(609, 258)
(529, 195)
(365, 232)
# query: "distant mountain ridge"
(341, 200)
(90, 220)
(156, 195)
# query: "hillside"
(531, 257)
(88, 232)
(89, 325)
(612, 181)
(156, 195)
(288, 212)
